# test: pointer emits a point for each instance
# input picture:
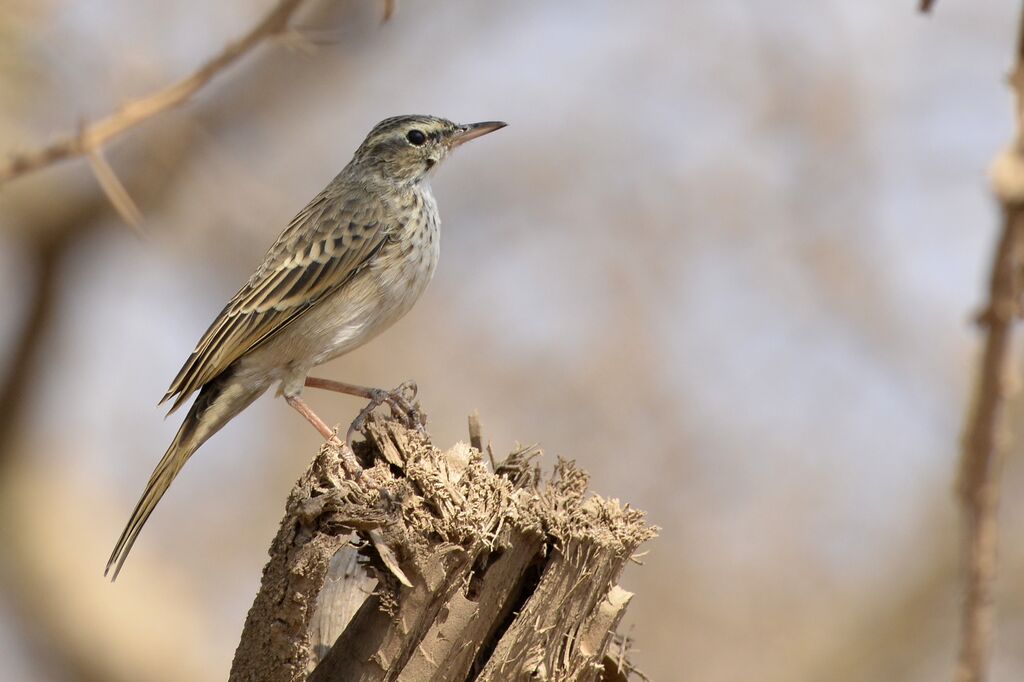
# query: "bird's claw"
(401, 400)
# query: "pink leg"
(342, 387)
(348, 458)
(306, 411)
(399, 403)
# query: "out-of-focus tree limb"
(48, 233)
(92, 137)
(983, 433)
(44, 254)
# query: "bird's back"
(337, 235)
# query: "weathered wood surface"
(513, 577)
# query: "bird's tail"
(217, 403)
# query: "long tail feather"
(218, 402)
(159, 481)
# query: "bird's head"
(403, 149)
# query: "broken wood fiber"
(514, 576)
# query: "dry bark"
(512, 577)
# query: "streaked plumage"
(349, 265)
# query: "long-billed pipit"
(349, 265)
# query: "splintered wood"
(513, 577)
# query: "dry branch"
(984, 431)
(91, 138)
(511, 579)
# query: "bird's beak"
(474, 130)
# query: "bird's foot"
(401, 400)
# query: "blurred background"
(725, 256)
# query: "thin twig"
(984, 431)
(114, 189)
(93, 136)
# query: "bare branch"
(92, 137)
(983, 433)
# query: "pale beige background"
(724, 256)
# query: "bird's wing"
(322, 248)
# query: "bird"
(347, 266)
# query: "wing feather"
(330, 240)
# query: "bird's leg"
(342, 387)
(347, 457)
(306, 411)
(395, 398)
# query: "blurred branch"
(92, 137)
(49, 232)
(926, 6)
(983, 435)
(44, 255)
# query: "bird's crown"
(403, 149)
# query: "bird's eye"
(416, 137)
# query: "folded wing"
(323, 247)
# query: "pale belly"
(367, 305)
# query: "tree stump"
(512, 576)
